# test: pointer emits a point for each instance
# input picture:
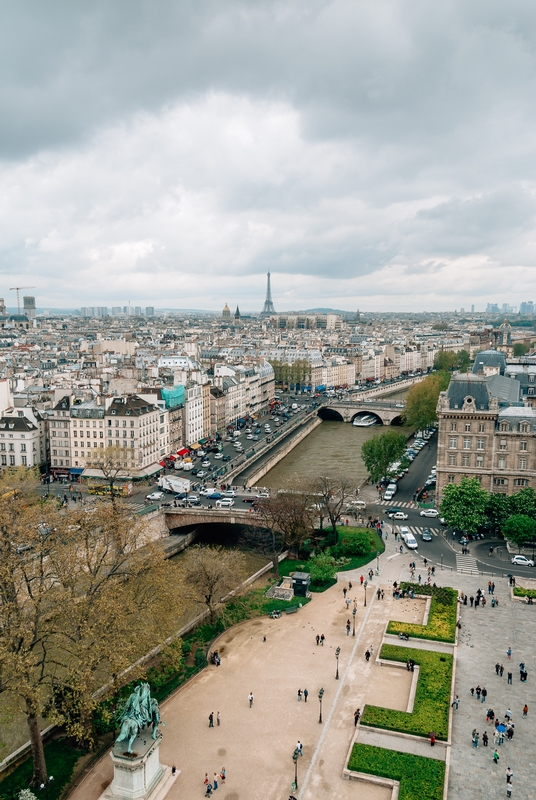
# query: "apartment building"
(134, 423)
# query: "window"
(4, 461)
(479, 461)
(124, 423)
(24, 461)
(481, 427)
(76, 453)
(502, 444)
(11, 461)
(450, 478)
(521, 481)
(465, 461)
(467, 426)
(2, 445)
(480, 444)
(502, 463)
(522, 463)
(452, 444)
(531, 378)
(11, 447)
(467, 444)
(452, 459)
(23, 447)
(531, 390)
(131, 423)
(504, 426)
(453, 426)
(499, 481)
(522, 445)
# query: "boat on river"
(365, 421)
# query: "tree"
(463, 360)
(331, 494)
(446, 360)
(520, 350)
(496, 510)
(322, 568)
(381, 451)
(421, 400)
(289, 516)
(519, 529)
(464, 505)
(522, 502)
(210, 573)
(113, 463)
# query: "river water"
(334, 448)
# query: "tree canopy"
(332, 493)
(421, 400)
(289, 517)
(381, 451)
(448, 360)
(464, 505)
(210, 573)
(519, 529)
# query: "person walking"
(305, 695)
(250, 698)
(357, 714)
(509, 677)
(211, 720)
(508, 715)
(367, 655)
(501, 670)
(218, 719)
(525, 711)
(215, 782)
(485, 739)
(497, 668)
(317, 639)
(496, 756)
(348, 628)
(509, 774)
(509, 654)
(509, 788)
(483, 694)
(344, 592)
(299, 695)
(322, 640)
(456, 702)
(223, 775)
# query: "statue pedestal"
(139, 775)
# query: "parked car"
(226, 458)
(229, 493)
(429, 512)
(225, 502)
(218, 456)
(522, 561)
(249, 499)
(155, 496)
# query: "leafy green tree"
(463, 360)
(520, 350)
(522, 502)
(519, 529)
(464, 505)
(381, 451)
(322, 568)
(446, 360)
(421, 401)
(496, 510)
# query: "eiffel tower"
(268, 309)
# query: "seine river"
(333, 448)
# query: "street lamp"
(337, 654)
(296, 754)
(441, 560)
(365, 588)
(354, 612)
(47, 784)
(378, 562)
(320, 696)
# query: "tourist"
(509, 654)
(485, 739)
(250, 698)
(367, 655)
(497, 668)
(223, 775)
(525, 711)
(317, 639)
(495, 756)
(299, 695)
(215, 782)
(357, 714)
(509, 774)
(322, 640)
(456, 702)
(218, 719)
(348, 627)
(508, 715)
(501, 670)
(211, 720)
(509, 677)
(509, 788)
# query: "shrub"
(431, 707)
(441, 625)
(200, 658)
(355, 544)
(61, 758)
(420, 778)
(519, 591)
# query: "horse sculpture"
(140, 711)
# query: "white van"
(409, 540)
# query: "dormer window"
(504, 426)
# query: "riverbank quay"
(289, 659)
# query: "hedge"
(432, 698)
(520, 591)
(420, 778)
(441, 625)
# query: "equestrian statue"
(140, 711)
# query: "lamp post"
(441, 560)
(337, 654)
(354, 612)
(378, 562)
(320, 696)
(365, 588)
(296, 754)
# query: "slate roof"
(489, 358)
(468, 385)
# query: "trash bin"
(300, 583)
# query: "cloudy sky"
(378, 155)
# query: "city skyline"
(372, 156)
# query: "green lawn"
(432, 698)
(441, 625)
(61, 759)
(420, 778)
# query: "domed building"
(226, 313)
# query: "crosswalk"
(466, 564)
(394, 504)
(414, 529)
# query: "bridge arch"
(397, 420)
(330, 414)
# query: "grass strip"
(431, 707)
(420, 778)
(441, 625)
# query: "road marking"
(466, 564)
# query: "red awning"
(183, 452)
(171, 458)
(162, 463)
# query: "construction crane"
(17, 289)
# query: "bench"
(291, 610)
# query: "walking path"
(275, 658)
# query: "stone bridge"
(388, 413)
(181, 517)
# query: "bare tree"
(332, 494)
(112, 462)
(289, 517)
(211, 573)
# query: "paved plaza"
(256, 744)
